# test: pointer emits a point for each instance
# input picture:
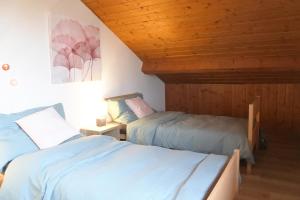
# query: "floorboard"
(276, 174)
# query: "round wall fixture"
(5, 67)
(13, 82)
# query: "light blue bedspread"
(99, 167)
(199, 133)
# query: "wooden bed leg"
(249, 168)
(1, 179)
(257, 146)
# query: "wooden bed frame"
(253, 121)
(227, 186)
(253, 127)
(126, 96)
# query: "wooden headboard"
(126, 96)
(254, 122)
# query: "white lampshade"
(102, 110)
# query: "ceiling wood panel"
(175, 36)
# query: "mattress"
(99, 167)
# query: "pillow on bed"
(120, 112)
(139, 107)
(8, 119)
(47, 128)
(13, 141)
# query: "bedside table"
(110, 129)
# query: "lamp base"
(101, 122)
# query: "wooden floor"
(276, 174)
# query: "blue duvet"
(99, 167)
(200, 133)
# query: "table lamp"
(102, 116)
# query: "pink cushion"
(139, 107)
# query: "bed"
(96, 167)
(100, 167)
(199, 133)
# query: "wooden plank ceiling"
(209, 40)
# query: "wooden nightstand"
(111, 129)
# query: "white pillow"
(139, 107)
(47, 128)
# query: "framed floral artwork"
(74, 50)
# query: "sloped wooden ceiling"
(216, 41)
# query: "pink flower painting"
(75, 52)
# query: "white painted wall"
(24, 44)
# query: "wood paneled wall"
(280, 107)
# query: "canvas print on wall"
(75, 50)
